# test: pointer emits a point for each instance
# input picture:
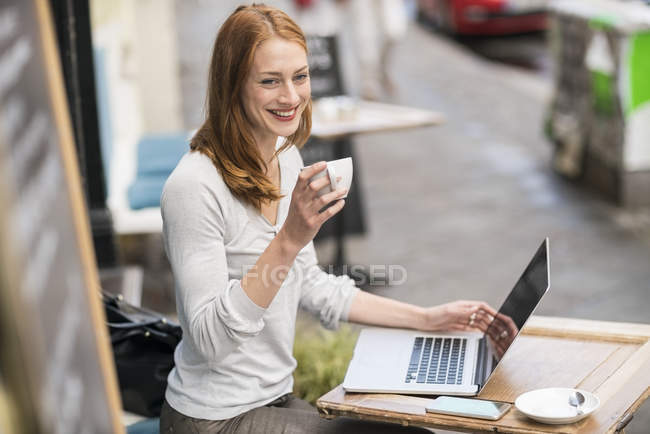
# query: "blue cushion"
(147, 426)
(158, 155)
(146, 191)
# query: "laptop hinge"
(481, 362)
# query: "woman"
(239, 218)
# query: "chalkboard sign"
(55, 357)
(324, 66)
(327, 80)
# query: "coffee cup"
(339, 173)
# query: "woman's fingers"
(478, 325)
(304, 218)
(487, 308)
(321, 202)
(482, 306)
(465, 315)
(330, 212)
(475, 315)
(306, 173)
(481, 323)
(318, 184)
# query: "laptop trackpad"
(384, 349)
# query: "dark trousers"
(286, 415)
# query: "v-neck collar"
(284, 190)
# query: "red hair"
(225, 135)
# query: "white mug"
(336, 169)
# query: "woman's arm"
(372, 309)
(218, 312)
(263, 281)
(326, 296)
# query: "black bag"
(143, 345)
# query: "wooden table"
(373, 117)
(609, 359)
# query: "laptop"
(389, 360)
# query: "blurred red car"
(484, 17)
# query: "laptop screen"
(516, 309)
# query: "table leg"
(358, 273)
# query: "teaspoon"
(576, 399)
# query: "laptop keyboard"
(437, 361)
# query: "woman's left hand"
(459, 315)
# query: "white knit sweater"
(235, 355)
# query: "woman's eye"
(269, 82)
(301, 77)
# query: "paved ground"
(463, 206)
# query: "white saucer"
(552, 405)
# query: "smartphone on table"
(478, 408)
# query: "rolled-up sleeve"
(327, 296)
(216, 314)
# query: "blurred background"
(546, 134)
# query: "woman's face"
(276, 90)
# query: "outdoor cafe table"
(367, 117)
(373, 117)
(609, 359)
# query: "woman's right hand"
(304, 220)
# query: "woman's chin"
(287, 130)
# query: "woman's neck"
(267, 151)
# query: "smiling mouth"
(284, 115)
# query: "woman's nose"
(289, 94)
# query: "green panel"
(639, 70)
(604, 96)
(602, 22)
